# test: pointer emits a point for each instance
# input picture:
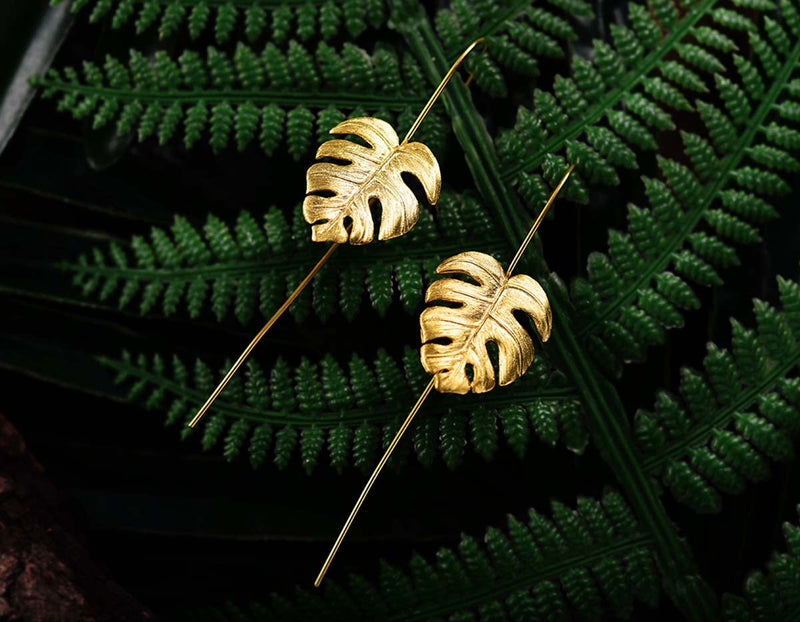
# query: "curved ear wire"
(436, 183)
(421, 117)
(461, 263)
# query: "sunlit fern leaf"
(252, 266)
(248, 97)
(733, 418)
(773, 594)
(256, 19)
(518, 572)
(335, 412)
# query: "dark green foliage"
(250, 268)
(519, 38)
(735, 416)
(772, 595)
(254, 18)
(226, 98)
(335, 412)
(517, 41)
(516, 572)
(702, 96)
(254, 92)
(701, 206)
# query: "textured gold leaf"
(368, 174)
(485, 313)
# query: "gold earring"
(483, 313)
(339, 194)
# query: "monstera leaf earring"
(454, 335)
(341, 190)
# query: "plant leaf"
(380, 391)
(485, 314)
(371, 174)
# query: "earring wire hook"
(415, 409)
(441, 87)
(299, 289)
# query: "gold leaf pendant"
(485, 313)
(367, 174)
(341, 192)
(455, 335)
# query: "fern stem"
(349, 417)
(473, 138)
(497, 589)
(700, 433)
(595, 112)
(438, 92)
(261, 266)
(692, 218)
(607, 419)
(281, 98)
(609, 427)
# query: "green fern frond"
(735, 416)
(517, 36)
(723, 72)
(700, 206)
(591, 563)
(605, 416)
(254, 18)
(250, 268)
(248, 97)
(772, 595)
(618, 105)
(265, 96)
(349, 415)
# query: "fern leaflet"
(772, 595)
(249, 97)
(698, 207)
(587, 562)
(251, 267)
(730, 420)
(350, 413)
(255, 18)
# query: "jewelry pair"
(340, 190)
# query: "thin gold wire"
(298, 290)
(440, 88)
(329, 252)
(371, 481)
(538, 221)
(359, 502)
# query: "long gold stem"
(298, 290)
(538, 221)
(387, 454)
(359, 502)
(440, 88)
(371, 481)
(327, 255)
